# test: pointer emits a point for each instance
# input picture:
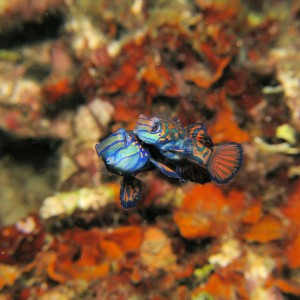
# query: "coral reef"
(74, 71)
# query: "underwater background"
(74, 71)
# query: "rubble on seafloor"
(73, 71)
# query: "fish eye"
(127, 139)
(155, 127)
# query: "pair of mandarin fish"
(183, 153)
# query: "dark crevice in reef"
(33, 31)
(70, 102)
(41, 153)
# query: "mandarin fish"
(123, 154)
(197, 158)
(173, 142)
(167, 135)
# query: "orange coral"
(204, 76)
(156, 75)
(292, 251)
(159, 79)
(236, 82)
(182, 293)
(51, 268)
(54, 92)
(206, 211)
(285, 286)
(156, 251)
(291, 210)
(8, 275)
(79, 256)
(87, 255)
(253, 212)
(223, 287)
(12, 120)
(86, 272)
(216, 62)
(267, 229)
(21, 242)
(124, 111)
(111, 249)
(220, 10)
(124, 79)
(128, 238)
(225, 127)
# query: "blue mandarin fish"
(191, 149)
(123, 154)
(167, 135)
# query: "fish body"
(168, 136)
(125, 155)
(193, 151)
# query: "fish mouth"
(110, 160)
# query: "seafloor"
(72, 72)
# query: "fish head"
(115, 142)
(149, 130)
(122, 152)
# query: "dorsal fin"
(198, 133)
(174, 120)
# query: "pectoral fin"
(181, 149)
(130, 192)
(165, 169)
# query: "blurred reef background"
(72, 72)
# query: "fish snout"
(110, 160)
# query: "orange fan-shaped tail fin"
(225, 161)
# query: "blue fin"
(225, 161)
(130, 192)
(198, 133)
(165, 169)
